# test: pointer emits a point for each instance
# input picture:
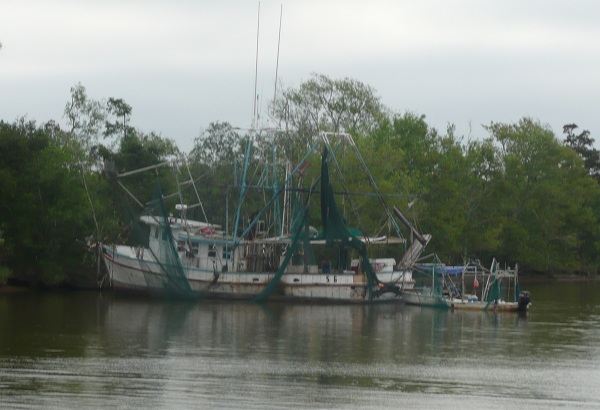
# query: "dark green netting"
(301, 221)
(335, 230)
(297, 241)
(163, 268)
(494, 294)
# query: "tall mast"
(277, 64)
(254, 109)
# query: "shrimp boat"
(257, 261)
(445, 287)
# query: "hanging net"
(337, 233)
(158, 256)
(297, 243)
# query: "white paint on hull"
(134, 270)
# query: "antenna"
(256, 69)
(277, 64)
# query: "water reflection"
(107, 324)
(117, 350)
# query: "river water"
(101, 349)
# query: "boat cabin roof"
(378, 240)
(177, 222)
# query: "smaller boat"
(438, 285)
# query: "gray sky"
(182, 64)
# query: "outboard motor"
(524, 299)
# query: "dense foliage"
(519, 193)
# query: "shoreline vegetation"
(557, 278)
(520, 193)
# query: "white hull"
(422, 298)
(128, 271)
(414, 297)
(500, 306)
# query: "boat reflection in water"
(97, 350)
(362, 333)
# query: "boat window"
(212, 250)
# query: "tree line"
(520, 193)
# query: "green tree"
(399, 155)
(218, 143)
(92, 122)
(120, 127)
(484, 197)
(582, 144)
(323, 104)
(44, 208)
(445, 197)
(137, 151)
(86, 118)
(547, 198)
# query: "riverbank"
(557, 278)
(9, 289)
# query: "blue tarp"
(441, 269)
(454, 270)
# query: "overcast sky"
(182, 64)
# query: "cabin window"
(212, 250)
(155, 231)
(226, 252)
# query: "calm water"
(99, 350)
